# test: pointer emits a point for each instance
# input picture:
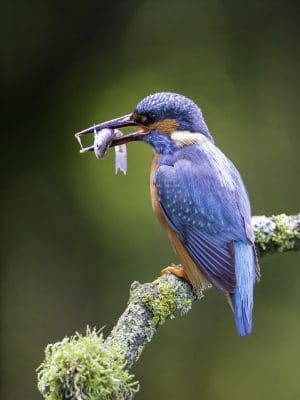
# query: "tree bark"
(149, 306)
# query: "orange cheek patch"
(166, 126)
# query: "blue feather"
(175, 106)
(242, 298)
(205, 202)
(203, 199)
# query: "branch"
(277, 233)
(92, 368)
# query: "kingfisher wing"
(202, 204)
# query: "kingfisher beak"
(121, 122)
(126, 120)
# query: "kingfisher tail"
(242, 297)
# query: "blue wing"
(205, 203)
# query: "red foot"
(175, 270)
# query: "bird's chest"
(159, 160)
(153, 191)
(193, 272)
(156, 203)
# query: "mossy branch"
(277, 233)
(87, 367)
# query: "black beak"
(120, 122)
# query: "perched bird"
(199, 198)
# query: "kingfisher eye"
(143, 119)
(150, 117)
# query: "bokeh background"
(75, 235)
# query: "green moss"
(263, 229)
(276, 232)
(186, 305)
(284, 237)
(162, 306)
(82, 367)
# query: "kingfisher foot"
(175, 270)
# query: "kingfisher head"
(159, 116)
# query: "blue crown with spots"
(166, 105)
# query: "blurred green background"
(75, 235)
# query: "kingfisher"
(198, 197)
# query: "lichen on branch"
(87, 367)
(149, 306)
(277, 233)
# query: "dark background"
(75, 235)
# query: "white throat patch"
(182, 138)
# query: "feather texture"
(204, 202)
(242, 298)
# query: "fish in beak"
(126, 120)
(107, 135)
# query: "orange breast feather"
(193, 272)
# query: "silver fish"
(102, 142)
(120, 154)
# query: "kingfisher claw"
(175, 270)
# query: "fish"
(102, 141)
(120, 155)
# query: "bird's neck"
(193, 121)
(161, 143)
(167, 145)
(198, 125)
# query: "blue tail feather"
(242, 297)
